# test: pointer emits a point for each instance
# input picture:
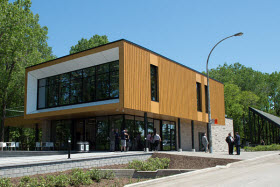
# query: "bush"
(61, 181)
(152, 164)
(95, 174)
(78, 177)
(272, 147)
(108, 174)
(5, 182)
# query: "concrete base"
(146, 150)
(180, 150)
(193, 150)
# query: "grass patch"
(272, 147)
(152, 164)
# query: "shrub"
(61, 181)
(95, 174)
(152, 164)
(50, 181)
(272, 147)
(5, 182)
(78, 177)
(108, 174)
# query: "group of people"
(123, 138)
(233, 141)
(115, 138)
(153, 140)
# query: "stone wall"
(219, 134)
(186, 134)
(50, 167)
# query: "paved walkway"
(8, 161)
(242, 156)
(11, 161)
(256, 172)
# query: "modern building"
(83, 96)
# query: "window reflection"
(86, 85)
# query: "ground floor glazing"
(96, 131)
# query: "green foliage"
(95, 175)
(245, 87)
(23, 43)
(61, 180)
(5, 182)
(78, 177)
(108, 174)
(272, 147)
(152, 164)
(85, 44)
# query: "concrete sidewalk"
(12, 161)
(258, 171)
(6, 161)
(242, 156)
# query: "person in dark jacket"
(237, 143)
(230, 142)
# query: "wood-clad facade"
(176, 87)
(153, 94)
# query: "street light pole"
(208, 92)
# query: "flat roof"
(132, 44)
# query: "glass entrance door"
(168, 136)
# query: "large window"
(154, 83)
(198, 96)
(85, 85)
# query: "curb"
(173, 177)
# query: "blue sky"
(182, 30)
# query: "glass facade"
(91, 84)
(97, 131)
(154, 83)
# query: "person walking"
(237, 143)
(112, 140)
(230, 142)
(205, 142)
(123, 140)
(157, 139)
(148, 139)
(117, 140)
(152, 142)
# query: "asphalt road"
(263, 171)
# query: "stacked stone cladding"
(219, 134)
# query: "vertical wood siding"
(177, 87)
(137, 86)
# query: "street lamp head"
(238, 34)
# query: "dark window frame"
(111, 69)
(154, 78)
(198, 97)
(206, 98)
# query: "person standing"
(157, 139)
(205, 142)
(148, 139)
(230, 142)
(152, 142)
(237, 143)
(117, 140)
(123, 140)
(112, 140)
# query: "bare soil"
(183, 162)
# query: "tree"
(23, 43)
(85, 44)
